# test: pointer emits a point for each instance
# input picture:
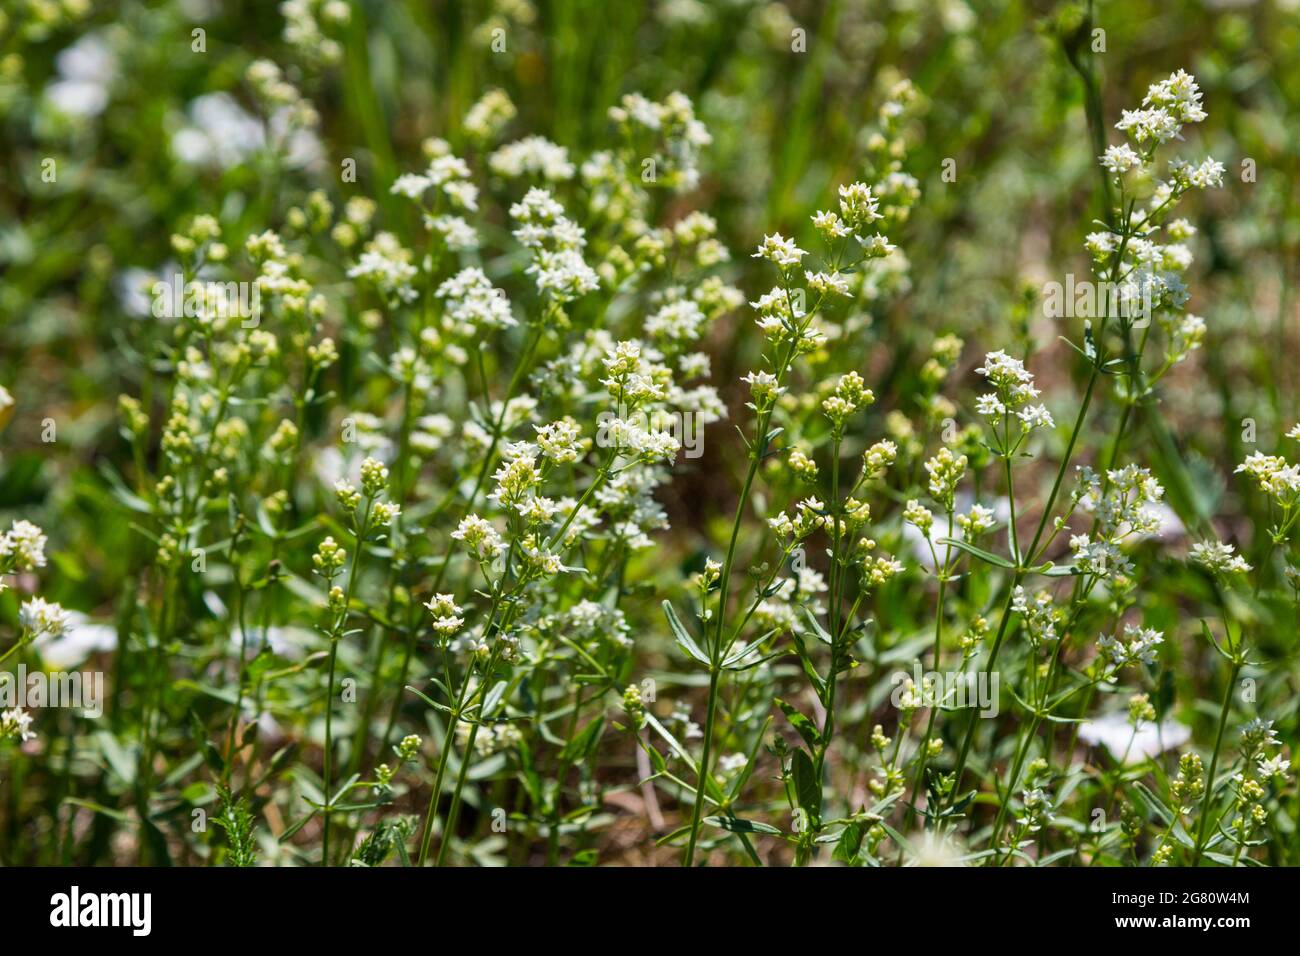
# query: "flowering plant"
(481, 479)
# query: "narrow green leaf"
(807, 787)
(684, 639)
(986, 556)
(806, 728)
(737, 825)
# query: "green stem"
(516, 378)
(329, 742)
(697, 809)
(335, 637)
(716, 650)
(1214, 763)
(453, 719)
(1019, 574)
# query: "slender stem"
(499, 598)
(453, 720)
(836, 595)
(715, 657)
(1022, 751)
(1214, 764)
(697, 809)
(1065, 458)
(336, 635)
(1013, 528)
(23, 641)
(243, 651)
(1019, 574)
(447, 738)
(716, 651)
(497, 430)
(454, 810)
(923, 755)
(398, 567)
(329, 748)
(498, 426)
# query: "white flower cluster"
(532, 156)
(1138, 645)
(489, 115)
(1275, 476)
(590, 621)
(1013, 388)
(448, 174)
(679, 321)
(976, 522)
(480, 537)
(446, 615)
(558, 267)
(22, 548)
(41, 617)
(636, 382)
(1167, 106)
(15, 724)
(473, 303)
(810, 514)
(1149, 274)
(1122, 506)
(781, 251)
(1218, 558)
(386, 265)
(489, 739)
(666, 136)
(1040, 615)
(304, 27)
(945, 470)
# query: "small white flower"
(762, 385)
(24, 542)
(1120, 159)
(1035, 416)
(16, 723)
(1219, 558)
(410, 185)
(1149, 124)
(483, 540)
(776, 248)
(43, 617)
(532, 156)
